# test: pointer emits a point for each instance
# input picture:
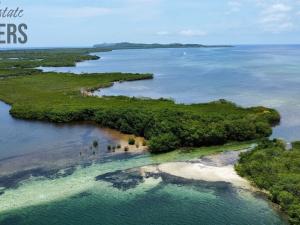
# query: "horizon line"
(92, 46)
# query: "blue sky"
(86, 22)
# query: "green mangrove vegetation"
(274, 168)
(58, 97)
(25, 62)
(65, 97)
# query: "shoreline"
(211, 168)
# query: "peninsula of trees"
(58, 97)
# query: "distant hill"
(128, 45)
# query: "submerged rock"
(123, 180)
(14, 180)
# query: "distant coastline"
(128, 45)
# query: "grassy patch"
(194, 153)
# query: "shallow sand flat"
(32, 192)
(215, 168)
(200, 171)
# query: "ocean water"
(247, 75)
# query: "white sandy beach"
(212, 171)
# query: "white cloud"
(192, 33)
(277, 8)
(274, 18)
(277, 18)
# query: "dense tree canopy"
(277, 170)
(58, 97)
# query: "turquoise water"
(159, 200)
(44, 179)
(247, 75)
